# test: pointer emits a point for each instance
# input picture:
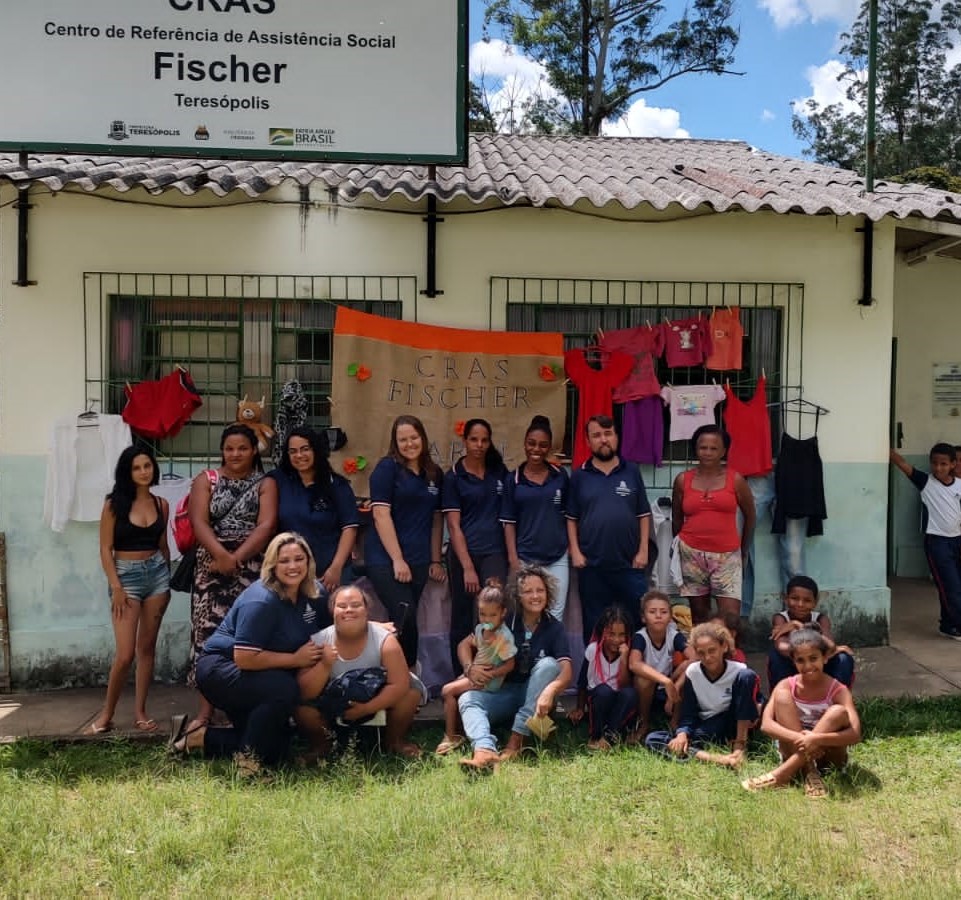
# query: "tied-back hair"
(715, 631)
(268, 570)
(493, 461)
(246, 431)
(613, 615)
(323, 474)
(540, 423)
(492, 592)
(332, 600)
(124, 490)
(427, 464)
(804, 636)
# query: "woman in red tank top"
(706, 500)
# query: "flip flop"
(94, 729)
(760, 783)
(448, 745)
(146, 725)
(814, 786)
(178, 725)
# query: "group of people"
(279, 632)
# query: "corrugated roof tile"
(530, 170)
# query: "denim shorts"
(143, 578)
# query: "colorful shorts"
(709, 574)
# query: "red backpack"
(184, 536)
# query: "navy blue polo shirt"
(548, 639)
(537, 511)
(262, 620)
(413, 500)
(320, 521)
(478, 500)
(607, 509)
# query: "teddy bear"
(249, 413)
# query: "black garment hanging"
(799, 485)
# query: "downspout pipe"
(432, 219)
(867, 267)
(22, 206)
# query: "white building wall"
(58, 613)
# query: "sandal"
(449, 744)
(814, 786)
(248, 766)
(760, 782)
(94, 729)
(148, 726)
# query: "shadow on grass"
(908, 716)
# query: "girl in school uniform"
(719, 702)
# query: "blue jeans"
(259, 704)
(610, 712)
(479, 710)
(790, 544)
(839, 666)
(944, 560)
(601, 587)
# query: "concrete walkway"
(918, 663)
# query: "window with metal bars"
(250, 344)
(770, 313)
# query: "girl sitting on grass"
(604, 685)
(812, 717)
(719, 702)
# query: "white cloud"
(825, 87)
(767, 115)
(786, 13)
(642, 120)
(510, 81)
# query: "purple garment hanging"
(643, 431)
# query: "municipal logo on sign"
(281, 137)
(201, 134)
(622, 490)
(118, 130)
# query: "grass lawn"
(118, 819)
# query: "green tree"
(601, 54)
(917, 101)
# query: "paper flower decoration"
(459, 428)
(358, 371)
(549, 372)
(355, 464)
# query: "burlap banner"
(384, 368)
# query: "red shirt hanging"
(645, 344)
(594, 391)
(749, 426)
(159, 409)
(687, 341)
(727, 337)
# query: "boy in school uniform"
(941, 496)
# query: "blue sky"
(787, 50)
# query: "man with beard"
(608, 525)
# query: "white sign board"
(377, 80)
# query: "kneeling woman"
(542, 672)
(353, 643)
(719, 702)
(248, 667)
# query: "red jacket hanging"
(159, 409)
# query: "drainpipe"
(870, 152)
(432, 219)
(22, 206)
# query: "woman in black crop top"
(136, 560)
